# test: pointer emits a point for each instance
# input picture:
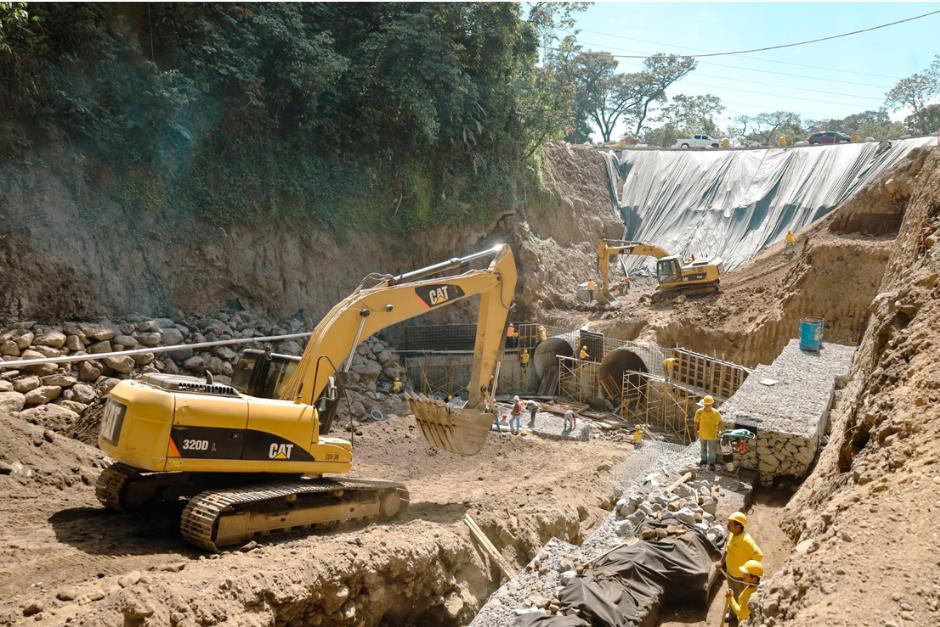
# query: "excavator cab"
(668, 270)
(263, 374)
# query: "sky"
(823, 80)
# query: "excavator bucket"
(458, 430)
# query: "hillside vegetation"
(382, 116)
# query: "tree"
(915, 91)
(659, 72)
(927, 121)
(693, 114)
(769, 126)
(875, 124)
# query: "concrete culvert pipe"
(547, 352)
(615, 363)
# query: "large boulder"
(61, 379)
(99, 332)
(55, 339)
(51, 416)
(125, 340)
(120, 363)
(10, 348)
(89, 371)
(11, 402)
(150, 338)
(171, 336)
(83, 393)
(26, 384)
(103, 346)
(43, 394)
(74, 343)
(289, 347)
(75, 406)
(195, 364)
(142, 359)
(47, 351)
(24, 340)
(6, 386)
(224, 352)
(40, 369)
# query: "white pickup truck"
(697, 141)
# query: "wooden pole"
(488, 547)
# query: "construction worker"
(396, 386)
(791, 239)
(570, 421)
(515, 415)
(542, 334)
(583, 353)
(590, 289)
(524, 360)
(511, 338)
(751, 572)
(707, 425)
(668, 366)
(533, 408)
(740, 549)
(637, 436)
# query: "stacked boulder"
(692, 502)
(55, 395)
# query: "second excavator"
(674, 277)
(246, 464)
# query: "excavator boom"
(700, 277)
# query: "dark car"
(828, 137)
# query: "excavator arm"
(608, 249)
(394, 299)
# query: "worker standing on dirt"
(751, 572)
(511, 338)
(590, 289)
(583, 353)
(533, 408)
(396, 386)
(570, 421)
(542, 333)
(707, 425)
(524, 361)
(515, 416)
(740, 549)
(668, 366)
(791, 240)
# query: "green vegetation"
(382, 116)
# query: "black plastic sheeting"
(733, 204)
(629, 586)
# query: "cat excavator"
(245, 464)
(693, 279)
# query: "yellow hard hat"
(738, 517)
(708, 400)
(752, 567)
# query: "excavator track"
(109, 488)
(691, 291)
(217, 518)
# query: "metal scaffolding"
(667, 407)
(709, 374)
(577, 379)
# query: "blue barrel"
(811, 333)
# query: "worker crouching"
(751, 572)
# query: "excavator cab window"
(261, 374)
(667, 269)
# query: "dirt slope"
(69, 558)
(867, 520)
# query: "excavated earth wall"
(866, 521)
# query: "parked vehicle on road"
(828, 137)
(697, 141)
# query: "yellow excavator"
(248, 464)
(694, 279)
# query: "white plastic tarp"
(733, 204)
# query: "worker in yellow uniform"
(590, 288)
(524, 360)
(396, 386)
(583, 354)
(751, 572)
(668, 366)
(791, 239)
(707, 424)
(739, 550)
(542, 334)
